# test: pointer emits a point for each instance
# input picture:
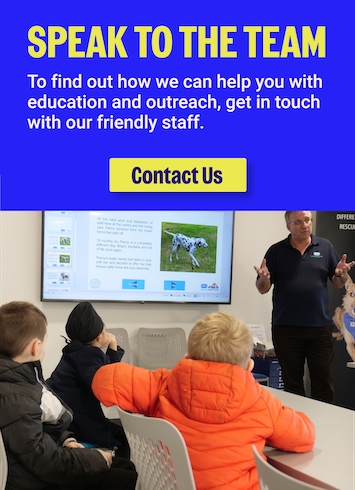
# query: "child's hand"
(107, 455)
(74, 444)
(112, 342)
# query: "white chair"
(270, 478)
(3, 464)
(161, 347)
(159, 453)
(121, 335)
(261, 378)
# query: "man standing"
(299, 267)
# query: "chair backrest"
(161, 347)
(159, 452)
(121, 335)
(271, 478)
(3, 464)
(261, 378)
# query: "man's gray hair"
(287, 216)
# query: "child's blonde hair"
(221, 337)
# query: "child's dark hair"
(20, 322)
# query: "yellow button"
(178, 174)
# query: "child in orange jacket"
(213, 399)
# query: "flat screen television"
(141, 256)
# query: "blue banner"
(89, 82)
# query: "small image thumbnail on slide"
(64, 276)
(64, 258)
(65, 241)
(188, 247)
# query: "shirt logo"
(317, 255)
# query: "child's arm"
(112, 342)
(132, 388)
(87, 365)
(293, 431)
(40, 455)
(114, 351)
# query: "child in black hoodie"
(72, 378)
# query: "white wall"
(20, 279)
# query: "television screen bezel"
(71, 300)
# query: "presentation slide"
(176, 105)
(170, 256)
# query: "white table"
(332, 460)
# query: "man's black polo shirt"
(300, 294)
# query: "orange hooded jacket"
(219, 409)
